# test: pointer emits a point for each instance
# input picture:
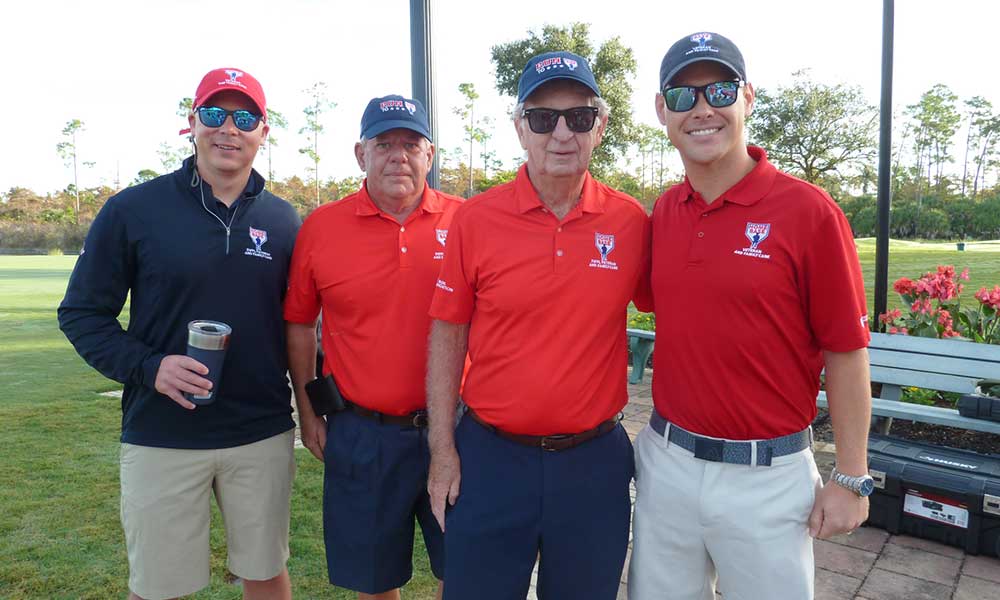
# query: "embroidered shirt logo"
(756, 233)
(605, 243)
(259, 238)
(442, 237)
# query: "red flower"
(903, 286)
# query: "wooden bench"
(899, 361)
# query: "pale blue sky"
(121, 66)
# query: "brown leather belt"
(416, 419)
(551, 443)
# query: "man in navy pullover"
(206, 242)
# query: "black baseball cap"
(701, 46)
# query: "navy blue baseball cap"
(394, 112)
(701, 46)
(555, 65)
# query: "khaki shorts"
(165, 512)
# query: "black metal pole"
(422, 73)
(884, 169)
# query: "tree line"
(823, 133)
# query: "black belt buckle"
(708, 449)
(545, 442)
(420, 419)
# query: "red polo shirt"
(749, 291)
(546, 302)
(374, 279)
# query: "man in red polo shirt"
(370, 262)
(535, 286)
(757, 287)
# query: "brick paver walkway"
(869, 564)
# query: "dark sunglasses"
(213, 116)
(579, 119)
(720, 94)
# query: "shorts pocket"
(351, 454)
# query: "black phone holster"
(324, 396)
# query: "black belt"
(551, 443)
(733, 452)
(416, 419)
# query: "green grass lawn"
(60, 537)
(59, 531)
(913, 259)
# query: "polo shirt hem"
(177, 444)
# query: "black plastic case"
(942, 494)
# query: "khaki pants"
(165, 512)
(697, 521)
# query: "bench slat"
(936, 347)
(930, 381)
(925, 414)
(947, 365)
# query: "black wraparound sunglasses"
(682, 98)
(579, 119)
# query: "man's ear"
(748, 96)
(518, 122)
(359, 154)
(661, 109)
(430, 156)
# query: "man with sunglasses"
(370, 262)
(536, 283)
(204, 242)
(762, 271)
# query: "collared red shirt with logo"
(373, 278)
(749, 291)
(545, 300)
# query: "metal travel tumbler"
(207, 343)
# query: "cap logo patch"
(702, 39)
(233, 78)
(387, 105)
(572, 64)
(411, 107)
(550, 63)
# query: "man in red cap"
(206, 242)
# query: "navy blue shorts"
(515, 503)
(375, 483)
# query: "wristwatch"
(862, 485)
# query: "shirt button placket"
(404, 251)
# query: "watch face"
(867, 487)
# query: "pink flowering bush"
(936, 309)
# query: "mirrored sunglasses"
(213, 116)
(720, 94)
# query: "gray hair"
(603, 109)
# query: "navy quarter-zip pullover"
(162, 244)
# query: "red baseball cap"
(220, 80)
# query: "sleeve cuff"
(150, 367)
